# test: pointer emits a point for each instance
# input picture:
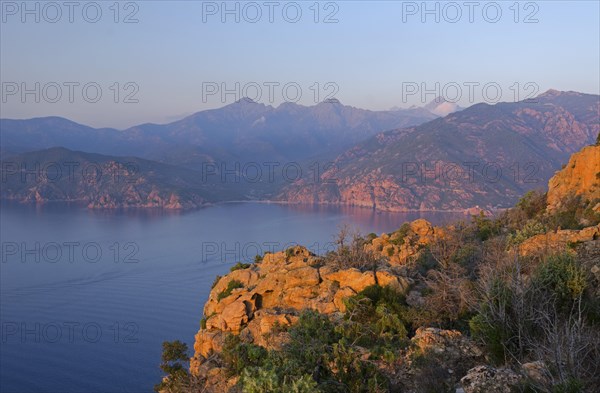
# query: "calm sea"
(87, 297)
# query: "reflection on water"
(359, 216)
(377, 219)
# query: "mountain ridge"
(417, 168)
(208, 130)
(392, 170)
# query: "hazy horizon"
(165, 60)
(173, 119)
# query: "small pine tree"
(174, 357)
(173, 353)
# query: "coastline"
(82, 203)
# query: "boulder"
(386, 278)
(487, 379)
(352, 278)
(440, 340)
(338, 299)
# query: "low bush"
(397, 237)
(376, 318)
(485, 227)
(261, 380)
(238, 356)
(531, 228)
(231, 285)
(562, 279)
(239, 266)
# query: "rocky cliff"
(281, 285)
(431, 281)
(275, 290)
(104, 182)
(580, 177)
(261, 302)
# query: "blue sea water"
(87, 297)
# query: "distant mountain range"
(392, 170)
(485, 155)
(244, 130)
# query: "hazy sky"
(176, 58)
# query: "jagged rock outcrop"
(558, 241)
(452, 343)
(450, 353)
(581, 176)
(402, 246)
(250, 302)
(258, 303)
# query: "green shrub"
(519, 314)
(310, 338)
(397, 237)
(239, 266)
(530, 229)
(205, 319)
(375, 318)
(238, 355)
(353, 374)
(261, 380)
(492, 335)
(231, 285)
(485, 227)
(493, 325)
(467, 255)
(532, 204)
(307, 351)
(173, 356)
(571, 212)
(572, 385)
(562, 277)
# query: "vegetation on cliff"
(494, 304)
